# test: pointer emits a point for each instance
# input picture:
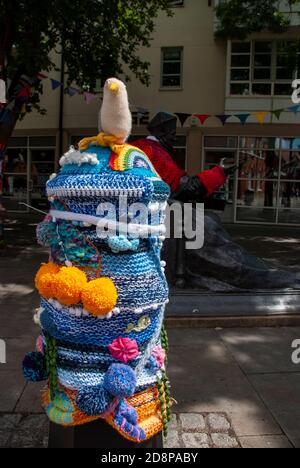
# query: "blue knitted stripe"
(94, 331)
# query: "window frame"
(163, 61)
(273, 82)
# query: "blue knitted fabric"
(89, 354)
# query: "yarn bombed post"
(102, 347)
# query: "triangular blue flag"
(55, 84)
(72, 91)
(242, 118)
(223, 118)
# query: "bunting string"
(261, 117)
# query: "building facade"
(192, 73)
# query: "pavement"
(235, 388)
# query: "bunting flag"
(182, 117)
(223, 118)
(243, 118)
(277, 113)
(202, 117)
(294, 109)
(41, 76)
(89, 97)
(55, 84)
(72, 91)
(261, 116)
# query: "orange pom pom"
(45, 278)
(68, 285)
(100, 296)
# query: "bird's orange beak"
(114, 87)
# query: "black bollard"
(97, 434)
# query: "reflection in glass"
(290, 195)
(257, 193)
(258, 142)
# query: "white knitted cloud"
(74, 156)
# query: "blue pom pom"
(34, 367)
(93, 401)
(120, 380)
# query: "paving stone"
(281, 394)
(218, 423)
(224, 441)
(263, 442)
(12, 385)
(31, 432)
(195, 440)
(192, 422)
(206, 379)
(172, 440)
(262, 350)
(173, 422)
(8, 422)
(31, 399)
(4, 436)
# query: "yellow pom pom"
(68, 285)
(45, 278)
(100, 296)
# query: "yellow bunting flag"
(261, 116)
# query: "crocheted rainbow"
(131, 157)
(102, 346)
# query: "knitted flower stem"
(164, 339)
(161, 392)
(51, 364)
(167, 395)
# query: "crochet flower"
(124, 349)
(160, 355)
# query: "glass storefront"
(28, 163)
(266, 189)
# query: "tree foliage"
(99, 38)
(240, 18)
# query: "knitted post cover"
(103, 294)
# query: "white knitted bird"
(115, 117)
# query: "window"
(263, 68)
(265, 189)
(172, 67)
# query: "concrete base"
(235, 305)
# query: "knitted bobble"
(99, 296)
(120, 380)
(68, 285)
(93, 401)
(45, 278)
(127, 412)
(34, 367)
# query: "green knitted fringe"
(51, 364)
